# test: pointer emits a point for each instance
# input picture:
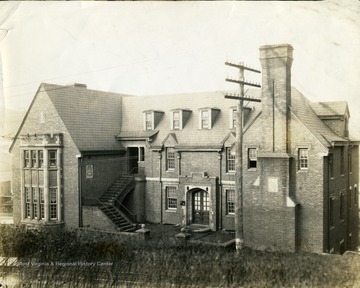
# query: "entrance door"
(133, 159)
(201, 207)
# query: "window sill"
(230, 215)
(171, 210)
(230, 173)
(251, 169)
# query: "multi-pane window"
(234, 116)
(141, 154)
(350, 162)
(27, 158)
(176, 120)
(205, 119)
(342, 203)
(52, 158)
(252, 158)
(342, 160)
(148, 121)
(53, 203)
(170, 159)
(332, 211)
(35, 202)
(33, 158)
(331, 166)
(355, 196)
(41, 158)
(230, 201)
(42, 203)
(27, 202)
(171, 198)
(303, 159)
(230, 160)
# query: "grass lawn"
(62, 259)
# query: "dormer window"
(233, 115)
(208, 117)
(178, 118)
(205, 119)
(152, 119)
(149, 121)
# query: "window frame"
(205, 119)
(332, 212)
(170, 161)
(342, 160)
(149, 121)
(27, 161)
(34, 158)
(303, 160)
(53, 206)
(171, 198)
(27, 202)
(252, 158)
(230, 161)
(230, 205)
(52, 158)
(176, 122)
(342, 205)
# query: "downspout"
(220, 191)
(161, 188)
(80, 189)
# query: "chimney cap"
(276, 51)
(80, 85)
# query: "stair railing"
(103, 205)
(128, 213)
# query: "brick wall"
(106, 168)
(52, 124)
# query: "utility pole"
(239, 222)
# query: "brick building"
(90, 158)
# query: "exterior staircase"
(118, 190)
(123, 224)
(113, 197)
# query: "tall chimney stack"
(276, 63)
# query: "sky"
(147, 48)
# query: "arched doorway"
(200, 207)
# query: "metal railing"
(103, 205)
(126, 211)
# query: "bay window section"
(41, 184)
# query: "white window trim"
(171, 209)
(151, 113)
(172, 120)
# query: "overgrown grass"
(59, 258)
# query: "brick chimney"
(276, 63)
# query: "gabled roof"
(190, 135)
(336, 108)
(93, 118)
(302, 109)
